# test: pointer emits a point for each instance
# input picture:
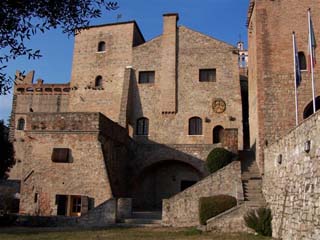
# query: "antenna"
(119, 16)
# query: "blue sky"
(221, 19)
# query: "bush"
(218, 158)
(8, 220)
(260, 221)
(212, 206)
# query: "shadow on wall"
(160, 171)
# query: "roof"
(250, 10)
(118, 23)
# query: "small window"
(142, 126)
(302, 61)
(61, 155)
(101, 46)
(207, 75)
(195, 126)
(98, 81)
(146, 77)
(21, 123)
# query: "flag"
(296, 61)
(312, 44)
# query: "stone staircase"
(232, 220)
(251, 180)
(143, 219)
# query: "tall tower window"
(21, 123)
(195, 126)
(101, 46)
(98, 81)
(142, 127)
(302, 61)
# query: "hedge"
(213, 206)
(218, 158)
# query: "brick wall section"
(182, 210)
(168, 72)
(37, 100)
(110, 64)
(292, 188)
(195, 51)
(80, 133)
(271, 82)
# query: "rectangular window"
(207, 75)
(61, 155)
(146, 77)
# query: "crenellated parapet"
(24, 85)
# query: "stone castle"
(132, 129)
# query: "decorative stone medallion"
(218, 105)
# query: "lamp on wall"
(307, 146)
(279, 159)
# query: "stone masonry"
(291, 182)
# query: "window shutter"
(84, 204)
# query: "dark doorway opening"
(185, 184)
(61, 201)
(217, 134)
(308, 111)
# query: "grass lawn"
(119, 234)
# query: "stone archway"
(160, 181)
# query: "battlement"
(24, 85)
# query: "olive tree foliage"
(21, 19)
(6, 151)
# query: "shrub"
(260, 221)
(218, 158)
(212, 206)
(8, 220)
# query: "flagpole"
(295, 76)
(311, 62)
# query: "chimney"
(168, 72)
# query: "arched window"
(217, 134)
(142, 127)
(98, 81)
(195, 126)
(302, 61)
(308, 111)
(101, 46)
(21, 124)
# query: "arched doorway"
(308, 110)
(217, 134)
(160, 181)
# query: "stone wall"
(101, 216)
(194, 51)
(291, 182)
(88, 63)
(92, 140)
(182, 209)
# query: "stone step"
(139, 221)
(147, 215)
(255, 205)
